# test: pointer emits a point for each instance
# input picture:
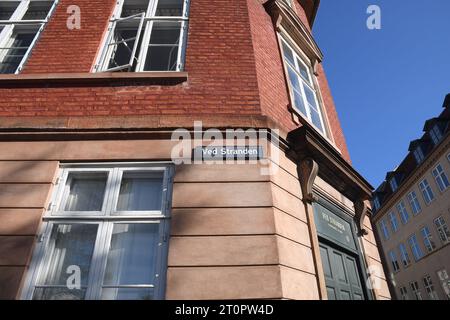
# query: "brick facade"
(230, 60)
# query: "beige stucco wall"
(234, 232)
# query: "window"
(428, 284)
(418, 154)
(393, 184)
(394, 261)
(384, 229)
(416, 291)
(427, 192)
(415, 248)
(414, 202)
(21, 22)
(404, 255)
(146, 35)
(394, 222)
(441, 178)
(404, 293)
(442, 229)
(376, 203)
(111, 224)
(303, 93)
(428, 239)
(404, 216)
(445, 282)
(435, 134)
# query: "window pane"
(7, 9)
(69, 245)
(132, 255)
(38, 10)
(86, 191)
(162, 53)
(303, 71)
(58, 294)
(15, 51)
(122, 46)
(132, 7)
(127, 294)
(169, 8)
(315, 118)
(288, 54)
(140, 192)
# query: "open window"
(145, 35)
(20, 25)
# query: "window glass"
(70, 245)
(140, 192)
(414, 202)
(169, 8)
(428, 239)
(131, 262)
(427, 192)
(162, 51)
(85, 191)
(15, 50)
(38, 10)
(441, 178)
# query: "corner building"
(89, 185)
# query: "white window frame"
(384, 229)
(427, 192)
(300, 56)
(415, 247)
(404, 254)
(427, 239)
(394, 262)
(445, 281)
(404, 293)
(394, 221)
(144, 32)
(414, 203)
(419, 155)
(416, 290)
(429, 288)
(440, 178)
(16, 20)
(404, 215)
(442, 229)
(105, 219)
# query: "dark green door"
(341, 274)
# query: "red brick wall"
(232, 59)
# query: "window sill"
(99, 78)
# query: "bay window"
(145, 35)
(109, 226)
(21, 22)
(303, 92)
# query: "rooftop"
(435, 131)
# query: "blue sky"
(386, 82)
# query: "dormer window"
(418, 154)
(376, 203)
(393, 184)
(435, 134)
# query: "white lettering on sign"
(333, 223)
